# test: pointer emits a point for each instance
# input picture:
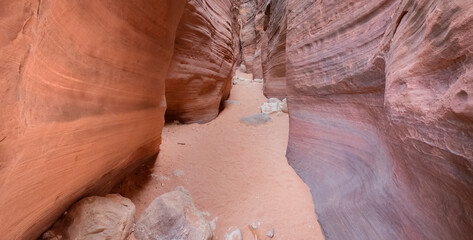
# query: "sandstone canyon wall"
(263, 41)
(273, 49)
(381, 115)
(246, 19)
(199, 77)
(380, 99)
(82, 97)
(259, 20)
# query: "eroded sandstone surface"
(379, 94)
(199, 77)
(381, 120)
(273, 49)
(82, 97)
(263, 42)
(246, 20)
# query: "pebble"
(270, 233)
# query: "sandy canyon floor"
(237, 173)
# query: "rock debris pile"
(274, 105)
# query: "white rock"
(237, 80)
(283, 106)
(269, 108)
(274, 105)
(270, 233)
(266, 108)
(233, 233)
(213, 223)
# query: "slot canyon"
(236, 119)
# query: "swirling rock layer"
(199, 77)
(82, 97)
(380, 99)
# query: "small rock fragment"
(233, 233)
(270, 233)
(283, 106)
(237, 80)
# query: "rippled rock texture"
(274, 49)
(199, 78)
(82, 97)
(246, 19)
(381, 115)
(263, 41)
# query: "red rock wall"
(381, 113)
(248, 10)
(259, 32)
(274, 49)
(263, 38)
(253, 19)
(200, 74)
(82, 97)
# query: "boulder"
(274, 105)
(109, 217)
(173, 216)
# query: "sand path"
(236, 173)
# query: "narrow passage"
(235, 172)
